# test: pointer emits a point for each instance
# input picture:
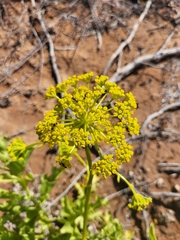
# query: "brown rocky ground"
(77, 30)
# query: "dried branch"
(164, 194)
(167, 40)
(170, 170)
(129, 39)
(144, 60)
(22, 131)
(41, 52)
(169, 167)
(65, 48)
(50, 42)
(169, 164)
(11, 90)
(18, 65)
(157, 114)
(94, 15)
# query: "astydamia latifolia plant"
(86, 116)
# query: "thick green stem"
(87, 193)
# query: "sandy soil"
(23, 82)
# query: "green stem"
(33, 144)
(80, 160)
(128, 183)
(87, 193)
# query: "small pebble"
(169, 216)
(176, 188)
(174, 175)
(131, 173)
(160, 183)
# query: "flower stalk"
(87, 192)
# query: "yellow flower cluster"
(84, 117)
(105, 166)
(124, 152)
(51, 131)
(17, 150)
(139, 202)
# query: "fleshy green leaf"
(4, 156)
(48, 182)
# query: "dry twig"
(169, 164)
(65, 48)
(11, 90)
(18, 65)
(164, 194)
(169, 167)
(170, 170)
(129, 39)
(157, 114)
(50, 42)
(167, 40)
(94, 15)
(144, 60)
(41, 52)
(22, 131)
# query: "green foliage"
(25, 216)
(151, 232)
(4, 156)
(48, 182)
(71, 219)
(111, 229)
(71, 216)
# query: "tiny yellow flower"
(51, 93)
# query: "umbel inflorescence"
(87, 115)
